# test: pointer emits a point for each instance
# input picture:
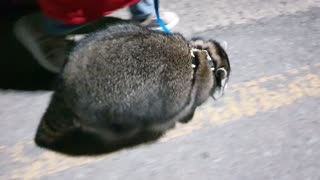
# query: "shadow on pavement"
(78, 143)
(18, 70)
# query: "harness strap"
(159, 20)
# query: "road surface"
(267, 126)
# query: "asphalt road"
(267, 126)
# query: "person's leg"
(143, 12)
(49, 40)
(54, 27)
(49, 49)
(46, 39)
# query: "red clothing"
(76, 12)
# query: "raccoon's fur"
(127, 80)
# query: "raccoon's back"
(127, 69)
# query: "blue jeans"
(139, 12)
(142, 9)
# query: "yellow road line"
(244, 100)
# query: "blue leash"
(159, 20)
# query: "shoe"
(170, 19)
(49, 50)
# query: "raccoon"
(126, 81)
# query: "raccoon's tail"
(56, 122)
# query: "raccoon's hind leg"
(55, 123)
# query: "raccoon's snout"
(221, 76)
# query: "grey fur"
(125, 80)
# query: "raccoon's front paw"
(187, 117)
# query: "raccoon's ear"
(224, 45)
(221, 76)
